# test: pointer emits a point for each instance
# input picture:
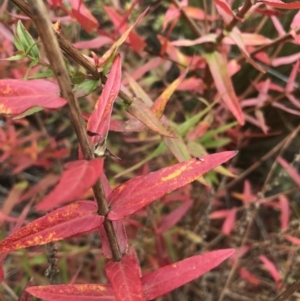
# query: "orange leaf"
(73, 292)
(160, 103)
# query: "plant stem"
(47, 35)
(240, 15)
(65, 45)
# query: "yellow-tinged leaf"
(141, 191)
(113, 49)
(218, 68)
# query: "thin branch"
(54, 54)
(65, 45)
(288, 292)
(268, 155)
(280, 40)
(240, 15)
(190, 21)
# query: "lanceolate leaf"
(283, 5)
(99, 120)
(236, 36)
(17, 96)
(218, 68)
(65, 222)
(125, 280)
(224, 10)
(119, 42)
(119, 21)
(290, 170)
(84, 16)
(76, 180)
(141, 191)
(121, 236)
(170, 277)
(160, 103)
(143, 113)
(154, 284)
(74, 292)
(171, 219)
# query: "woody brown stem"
(44, 27)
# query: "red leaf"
(17, 96)
(291, 82)
(237, 38)
(1, 272)
(70, 220)
(219, 214)
(143, 190)
(171, 219)
(84, 16)
(100, 118)
(77, 179)
(121, 40)
(218, 68)
(171, 14)
(198, 14)
(25, 296)
(296, 22)
(285, 211)
(280, 4)
(224, 10)
(55, 3)
(152, 64)
(249, 276)
(290, 170)
(125, 280)
(73, 292)
(94, 43)
(229, 221)
(121, 237)
(268, 12)
(271, 267)
(168, 278)
(42, 185)
(135, 41)
(292, 239)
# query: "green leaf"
(46, 74)
(210, 134)
(191, 122)
(219, 142)
(25, 41)
(77, 78)
(86, 87)
(29, 112)
(16, 57)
